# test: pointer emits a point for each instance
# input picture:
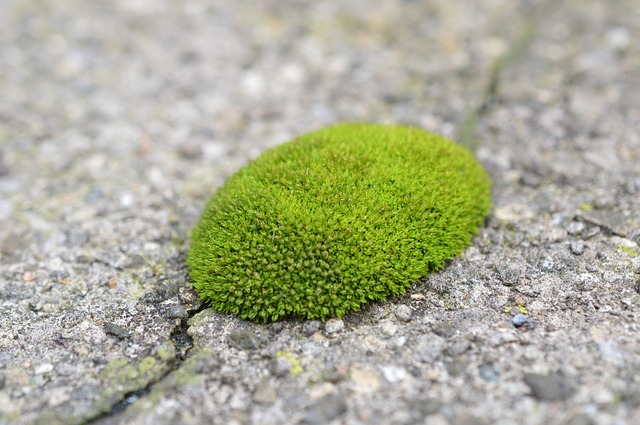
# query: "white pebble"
(333, 325)
(44, 368)
(404, 312)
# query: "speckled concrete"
(119, 119)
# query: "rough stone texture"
(118, 119)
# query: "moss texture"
(321, 225)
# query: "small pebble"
(575, 228)
(279, 366)
(177, 312)
(519, 320)
(333, 326)
(59, 275)
(394, 373)
(115, 330)
(277, 327)
(458, 348)
(29, 277)
(389, 329)
(43, 368)
(325, 410)
(243, 339)
(548, 264)
(310, 327)
(404, 312)
(443, 329)
(577, 247)
(488, 373)
(554, 387)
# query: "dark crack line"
(490, 95)
(182, 343)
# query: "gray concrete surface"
(119, 119)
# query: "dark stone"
(325, 410)
(443, 329)
(244, 340)
(277, 327)
(177, 312)
(58, 275)
(310, 327)
(115, 330)
(161, 293)
(553, 387)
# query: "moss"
(198, 318)
(631, 252)
(522, 309)
(166, 353)
(296, 367)
(121, 376)
(334, 219)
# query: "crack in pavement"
(182, 343)
(514, 54)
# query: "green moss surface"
(321, 225)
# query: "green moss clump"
(321, 225)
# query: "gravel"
(115, 330)
(404, 312)
(519, 320)
(119, 120)
(310, 327)
(325, 410)
(553, 387)
(244, 340)
(333, 326)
